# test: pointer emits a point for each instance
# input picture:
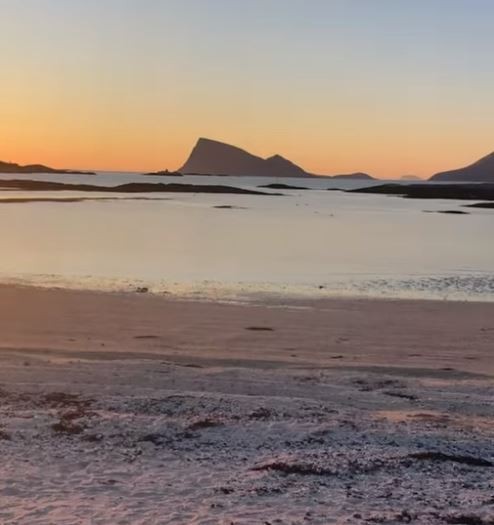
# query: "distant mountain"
(11, 167)
(354, 176)
(410, 177)
(480, 171)
(210, 157)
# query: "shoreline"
(240, 292)
(255, 298)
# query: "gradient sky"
(390, 87)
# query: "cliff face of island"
(480, 171)
(210, 157)
(11, 167)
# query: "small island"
(164, 173)
(410, 177)
(12, 167)
(354, 176)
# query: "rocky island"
(164, 173)
(11, 167)
(354, 176)
(211, 157)
(217, 158)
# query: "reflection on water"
(316, 243)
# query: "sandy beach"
(137, 409)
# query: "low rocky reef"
(132, 187)
(481, 205)
(483, 192)
(280, 186)
(164, 173)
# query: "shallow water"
(315, 243)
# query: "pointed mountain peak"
(217, 158)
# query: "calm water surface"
(315, 243)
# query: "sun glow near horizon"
(389, 88)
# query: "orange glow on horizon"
(130, 86)
(135, 154)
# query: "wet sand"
(329, 333)
(133, 408)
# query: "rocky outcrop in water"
(164, 173)
(211, 157)
(276, 186)
(132, 187)
(11, 167)
(217, 158)
(434, 191)
(354, 176)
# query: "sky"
(389, 87)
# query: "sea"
(314, 243)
